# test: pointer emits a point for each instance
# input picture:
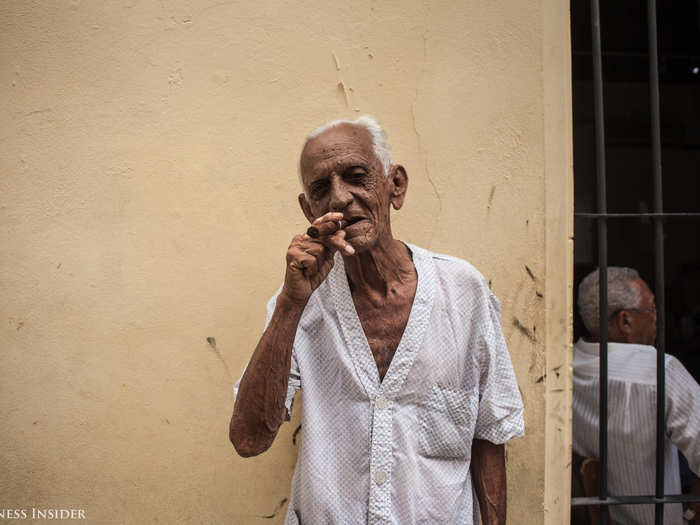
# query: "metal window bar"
(602, 207)
(658, 257)
(636, 215)
(658, 216)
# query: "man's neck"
(379, 271)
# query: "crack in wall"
(212, 345)
(419, 138)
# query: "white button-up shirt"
(632, 424)
(398, 451)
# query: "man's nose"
(340, 195)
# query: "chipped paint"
(490, 200)
(524, 330)
(279, 507)
(344, 91)
(529, 272)
(211, 341)
(295, 435)
(337, 62)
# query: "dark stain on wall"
(296, 433)
(276, 511)
(529, 272)
(524, 329)
(212, 345)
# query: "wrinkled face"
(644, 317)
(341, 173)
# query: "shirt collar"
(411, 339)
(594, 348)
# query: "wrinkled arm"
(488, 469)
(259, 409)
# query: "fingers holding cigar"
(329, 229)
(326, 225)
(324, 229)
(309, 259)
(337, 241)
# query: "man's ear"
(398, 181)
(624, 323)
(305, 207)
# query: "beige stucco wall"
(148, 192)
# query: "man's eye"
(355, 175)
(317, 190)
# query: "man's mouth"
(354, 220)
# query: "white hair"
(623, 293)
(380, 140)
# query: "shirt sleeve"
(500, 415)
(683, 412)
(294, 382)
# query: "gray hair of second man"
(380, 139)
(623, 293)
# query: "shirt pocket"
(447, 423)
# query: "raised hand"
(309, 260)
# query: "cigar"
(325, 228)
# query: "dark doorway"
(629, 167)
(628, 153)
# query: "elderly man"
(632, 397)
(405, 378)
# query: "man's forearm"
(488, 467)
(259, 408)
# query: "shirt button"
(379, 477)
(381, 403)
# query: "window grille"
(658, 216)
